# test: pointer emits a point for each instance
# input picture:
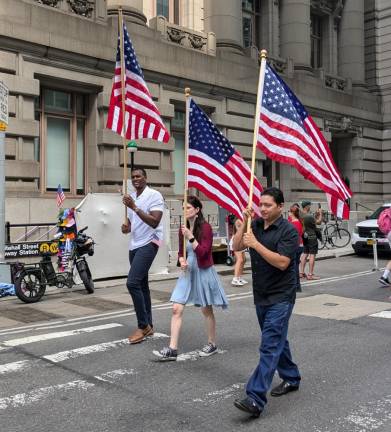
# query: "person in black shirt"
(272, 241)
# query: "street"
(73, 372)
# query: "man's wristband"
(192, 240)
(136, 210)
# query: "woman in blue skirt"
(198, 284)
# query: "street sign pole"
(2, 196)
(3, 127)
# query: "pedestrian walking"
(310, 240)
(295, 219)
(384, 279)
(240, 260)
(198, 285)
(273, 243)
(145, 211)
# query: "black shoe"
(384, 281)
(249, 406)
(283, 389)
(166, 354)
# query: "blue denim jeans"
(275, 353)
(140, 262)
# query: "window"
(62, 150)
(316, 41)
(247, 31)
(169, 9)
(250, 22)
(162, 8)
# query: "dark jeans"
(299, 251)
(140, 262)
(275, 353)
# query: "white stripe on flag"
(333, 173)
(116, 118)
(301, 161)
(141, 127)
(161, 134)
(133, 128)
(198, 180)
(151, 130)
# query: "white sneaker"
(243, 281)
(236, 282)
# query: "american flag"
(216, 168)
(287, 133)
(142, 118)
(60, 196)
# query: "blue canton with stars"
(279, 98)
(206, 138)
(130, 58)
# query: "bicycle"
(334, 236)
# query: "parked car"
(362, 234)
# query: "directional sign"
(3, 106)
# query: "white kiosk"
(103, 213)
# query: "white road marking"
(218, 395)
(367, 417)
(55, 335)
(382, 314)
(71, 354)
(78, 352)
(111, 376)
(14, 366)
(23, 399)
(29, 398)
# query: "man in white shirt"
(145, 210)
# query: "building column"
(132, 10)
(351, 42)
(295, 41)
(224, 18)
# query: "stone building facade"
(57, 58)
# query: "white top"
(141, 233)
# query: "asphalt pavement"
(72, 372)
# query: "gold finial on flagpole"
(262, 54)
(187, 91)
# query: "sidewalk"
(174, 272)
(111, 296)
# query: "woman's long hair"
(295, 210)
(199, 220)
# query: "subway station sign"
(30, 249)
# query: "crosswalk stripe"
(55, 335)
(61, 356)
(23, 399)
(382, 314)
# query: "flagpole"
(188, 99)
(122, 57)
(261, 80)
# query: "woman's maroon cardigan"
(203, 250)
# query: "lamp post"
(131, 148)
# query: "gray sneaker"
(208, 350)
(166, 354)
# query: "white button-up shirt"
(141, 233)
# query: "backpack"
(384, 221)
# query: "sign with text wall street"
(3, 106)
(30, 249)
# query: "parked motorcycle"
(31, 279)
